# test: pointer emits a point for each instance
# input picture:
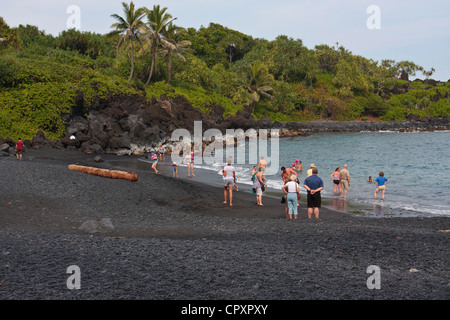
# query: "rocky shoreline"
(413, 125)
(134, 126)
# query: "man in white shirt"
(229, 174)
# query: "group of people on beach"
(257, 177)
(312, 183)
(341, 180)
(188, 160)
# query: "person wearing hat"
(309, 172)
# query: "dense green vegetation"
(43, 77)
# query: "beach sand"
(174, 239)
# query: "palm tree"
(131, 26)
(158, 19)
(258, 82)
(173, 44)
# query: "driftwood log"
(114, 174)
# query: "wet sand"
(174, 239)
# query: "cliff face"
(127, 125)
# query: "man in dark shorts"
(313, 185)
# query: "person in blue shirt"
(380, 182)
(313, 185)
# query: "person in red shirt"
(19, 149)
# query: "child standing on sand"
(175, 170)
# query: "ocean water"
(416, 163)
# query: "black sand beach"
(174, 239)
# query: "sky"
(413, 30)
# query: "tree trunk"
(170, 66)
(107, 173)
(153, 64)
(150, 74)
(132, 61)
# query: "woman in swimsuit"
(161, 152)
(336, 179)
(154, 158)
(190, 164)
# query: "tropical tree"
(172, 43)
(286, 58)
(258, 81)
(310, 67)
(349, 77)
(218, 44)
(8, 36)
(130, 27)
(231, 43)
(428, 74)
(87, 43)
(158, 20)
(328, 58)
(383, 73)
(407, 68)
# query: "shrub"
(197, 96)
(34, 107)
(97, 87)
